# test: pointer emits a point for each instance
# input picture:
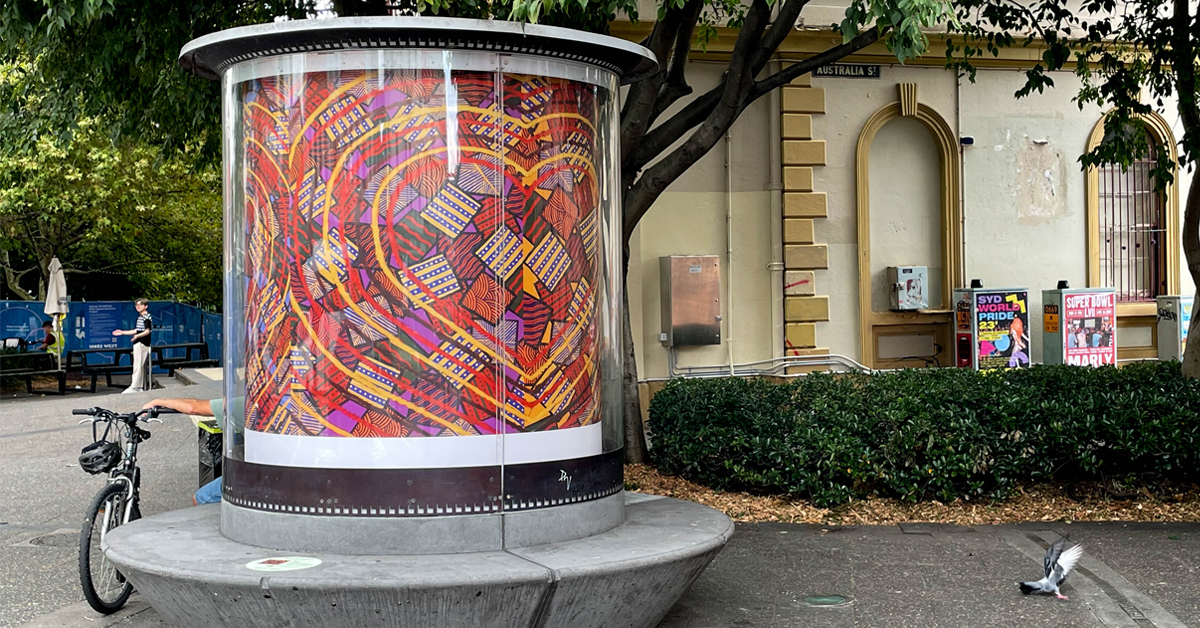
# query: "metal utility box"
(1174, 317)
(991, 328)
(691, 300)
(1079, 326)
(909, 287)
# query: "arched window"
(1133, 230)
(1133, 239)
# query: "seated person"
(50, 342)
(209, 493)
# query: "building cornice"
(801, 44)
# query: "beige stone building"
(818, 189)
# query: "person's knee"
(209, 493)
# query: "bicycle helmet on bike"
(100, 457)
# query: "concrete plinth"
(629, 576)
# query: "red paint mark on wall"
(795, 283)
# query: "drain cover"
(57, 539)
(825, 600)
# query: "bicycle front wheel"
(104, 588)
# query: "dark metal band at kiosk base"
(421, 492)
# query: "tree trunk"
(1191, 353)
(1191, 252)
(635, 435)
(631, 402)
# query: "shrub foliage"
(929, 434)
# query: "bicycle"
(113, 452)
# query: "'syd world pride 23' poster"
(1002, 323)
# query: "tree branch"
(636, 115)
(676, 86)
(695, 112)
(789, 12)
(140, 262)
(12, 279)
(667, 133)
(1185, 64)
(798, 69)
(738, 82)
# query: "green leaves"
(1131, 60)
(119, 217)
(904, 19)
(922, 434)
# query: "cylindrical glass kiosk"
(422, 282)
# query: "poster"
(99, 321)
(423, 295)
(1185, 321)
(964, 347)
(1002, 320)
(962, 313)
(1090, 334)
(22, 321)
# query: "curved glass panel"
(420, 276)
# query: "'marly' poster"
(1090, 321)
(1002, 321)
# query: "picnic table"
(181, 355)
(30, 363)
(95, 362)
(108, 362)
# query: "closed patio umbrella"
(56, 302)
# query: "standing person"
(141, 346)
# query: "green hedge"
(930, 433)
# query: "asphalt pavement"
(1138, 575)
(43, 492)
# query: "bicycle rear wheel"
(104, 588)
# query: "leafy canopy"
(122, 215)
(1132, 57)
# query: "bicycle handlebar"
(137, 414)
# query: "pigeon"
(1058, 562)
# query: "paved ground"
(1135, 575)
(43, 492)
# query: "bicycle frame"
(127, 471)
(129, 436)
(115, 504)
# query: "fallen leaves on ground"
(1041, 502)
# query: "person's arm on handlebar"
(198, 407)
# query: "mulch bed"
(1042, 502)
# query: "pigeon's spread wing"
(1067, 561)
(1052, 554)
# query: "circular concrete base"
(628, 576)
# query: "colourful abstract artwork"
(420, 253)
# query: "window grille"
(1133, 219)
